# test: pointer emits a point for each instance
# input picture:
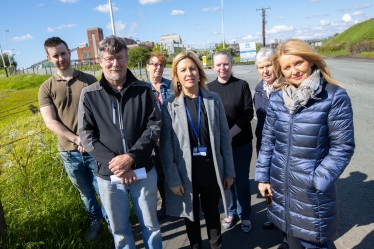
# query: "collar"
(59, 78)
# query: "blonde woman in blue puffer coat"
(307, 142)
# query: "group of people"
(192, 141)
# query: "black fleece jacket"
(99, 112)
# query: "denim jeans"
(240, 191)
(80, 169)
(143, 194)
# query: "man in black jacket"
(119, 124)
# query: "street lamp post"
(223, 29)
(1, 52)
(7, 51)
(112, 18)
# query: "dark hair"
(54, 42)
(113, 45)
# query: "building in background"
(89, 52)
(173, 43)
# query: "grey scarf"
(294, 97)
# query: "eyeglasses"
(155, 65)
(110, 60)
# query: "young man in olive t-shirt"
(58, 101)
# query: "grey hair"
(112, 45)
(264, 54)
(223, 52)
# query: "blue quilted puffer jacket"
(302, 155)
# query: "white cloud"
(317, 28)
(358, 13)
(118, 25)
(105, 8)
(279, 29)
(211, 9)
(344, 10)
(311, 16)
(69, 1)
(216, 33)
(324, 22)
(134, 25)
(314, 1)
(41, 4)
(177, 12)
(22, 38)
(199, 28)
(280, 17)
(363, 6)
(248, 37)
(49, 29)
(347, 18)
(143, 2)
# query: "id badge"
(199, 151)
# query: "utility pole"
(263, 24)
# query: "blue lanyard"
(197, 133)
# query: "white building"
(173, 43)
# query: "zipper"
(122, 130)
(287, 169)
(114, 107)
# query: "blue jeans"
(80, 169)
(143, 194)
(240, 191)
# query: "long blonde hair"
(302, 49)
(174, 75)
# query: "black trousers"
(209, 198)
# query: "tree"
(258, 46)
(138, 54)
(161, 49)
(6, 59)
(219, 47)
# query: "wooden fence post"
(3, 226)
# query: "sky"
(198, 22)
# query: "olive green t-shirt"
(64, 96)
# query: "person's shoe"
(284, 245)
(246, 228)
(268, 225)
(228, 222)
(161, 214)
(93, 229)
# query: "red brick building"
(94, 35)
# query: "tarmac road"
(355, 186)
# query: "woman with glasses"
(307, 142)
(161, 88)
(195, 151)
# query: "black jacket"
(99, 114)
(261, 103)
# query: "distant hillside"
(358, 39)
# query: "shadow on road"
(356, 205)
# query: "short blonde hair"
(305, 51)
(174, 75)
